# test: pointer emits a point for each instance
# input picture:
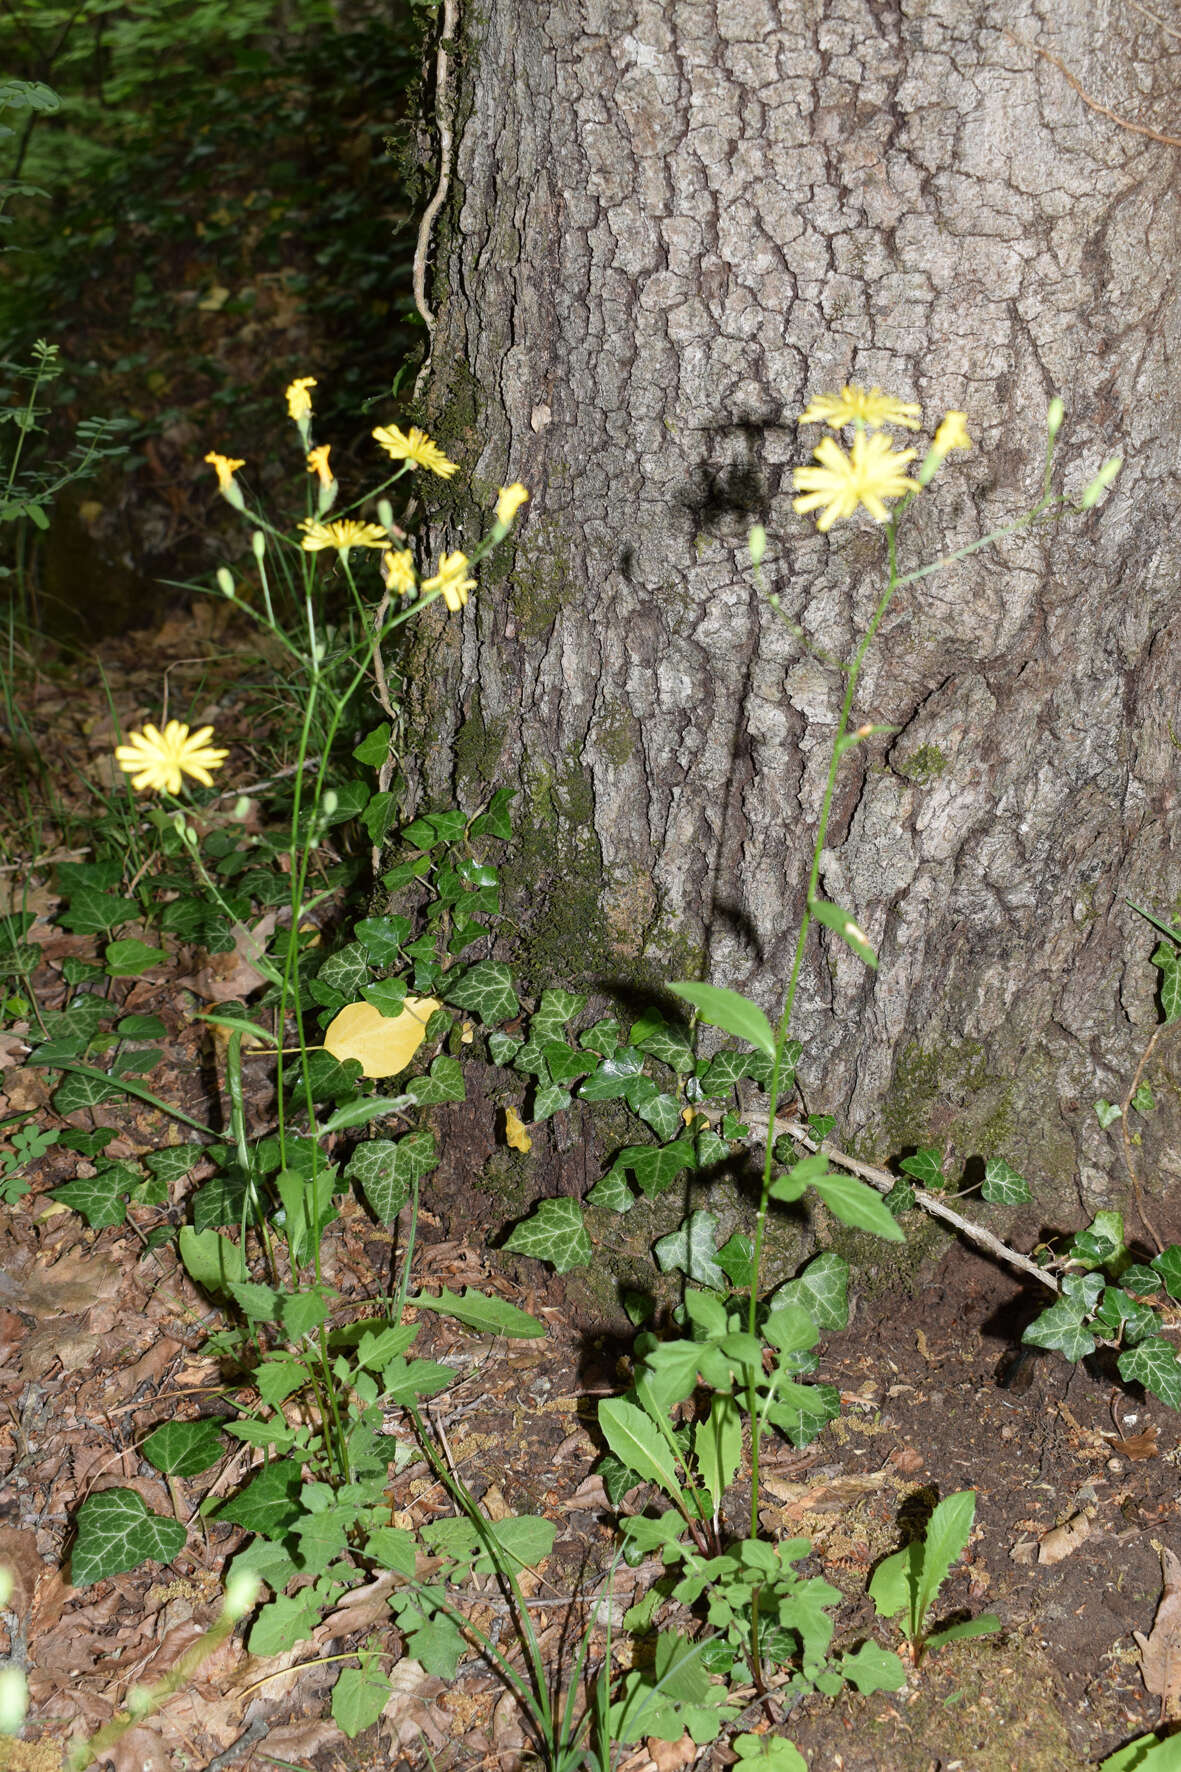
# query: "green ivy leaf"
(184, 1448)
(99, 1198)
(374, 748)
(346, 971)
(1003, 1186)
(1168, 1266)
(603, 1038)
(661, 1040)
(173, 1161)
(141, 1027)
(387, 1170)
(926, 1166)
(270, 1503)
(1153, 1363)
(128, 959)
(1060, 1327)
(1166, 959)
(82, 1089)
(1143, 1100)
(494, 821)
(611, 1193)
(1106, 1113)
(555, 1233)
(549, 1099)
(563, 1062)
(556, 1008)
(736, 1259)
(486, 989)
(501, 1047)
(692, 1250)
(663, 1114)
(821, 1290)
(655, 1167)
(611, 1078)
(117, 1532)
(445, 1083)
(93, 913)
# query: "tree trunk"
(669, 225)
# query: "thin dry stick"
(1156, 135)
(938, 1208)
(1125, 1110)
(443, 120)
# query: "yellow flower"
(299, 405)
(226, 468)
(871, 472)
(318, 464)
(952, 434)
(159, 760)
(510, 501)
(342, 535)
(416, 450)
(451, 581)
(397, 569)
(854, 405)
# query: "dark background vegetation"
(228, 201)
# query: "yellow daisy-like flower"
(510, 501)
(342, 535)
(397, 569)
(871, 472)
(853, 405)
(160, 760)
(451, 581)
(416, 450)
(952, 434)
(299, 404)
(318, 464)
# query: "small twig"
(1169, 30)
(254, 787)
(1156, 135)
(1125, 1110)
(443, 122)
(884, 1181)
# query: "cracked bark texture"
(671, 222)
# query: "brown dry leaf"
(19, 1555)
(823, 1497)
(362, 1608)
(231, 976)
(1062, 1541)
(1024, 1551)
(410, 1709)
(69, 1287)
(45, 1346)
(670, 1756)
(1137, 1445)
(1160, 1651)
(589, 1497)
(13, 1046)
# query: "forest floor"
(101, 1339)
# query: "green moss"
(617, 733)
(478, 745)
(554, 880)
(946, 1095)
(541, 583)
(925, 765)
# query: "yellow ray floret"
(318, 465)
(397, 569)
(510, 501)
(451, 581)
(869, 474)
(952, 434)
(342, 535)
(160, 760)
(299, 404)
(853, 405)
(416, 450)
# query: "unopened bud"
(1107, 473)
(258, 542)
(1055, 413)
(756, 541)
(225, 582)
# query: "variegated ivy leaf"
(610, 1079)
(1167, 959)
(549, 1099)
(926, 1166)
(81, 1089)
(821, 1290)
(612, 1193)
(99, 1198)
(1153, 1363)
(663, 1114)
(658, 1037)
(387, 1170)
(486, 989)
(1003, 1186)
(117, 1532)
(692, 1251)
(603, 1038)
(346, 971)
(1061, 1328)
(564, 1063)
(444, 1083)
(655, 1167)
(555, 1233)
(501, 1047)
(723, 1071)
(555, 1009)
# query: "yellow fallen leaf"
(515, 1134)
(384, 1044)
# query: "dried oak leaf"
(1061, 1541)
(1160, 1651)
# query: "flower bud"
(756, 541)
(1055, 413)
(1107, 473)
(225, 582)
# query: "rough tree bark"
(669, 223)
